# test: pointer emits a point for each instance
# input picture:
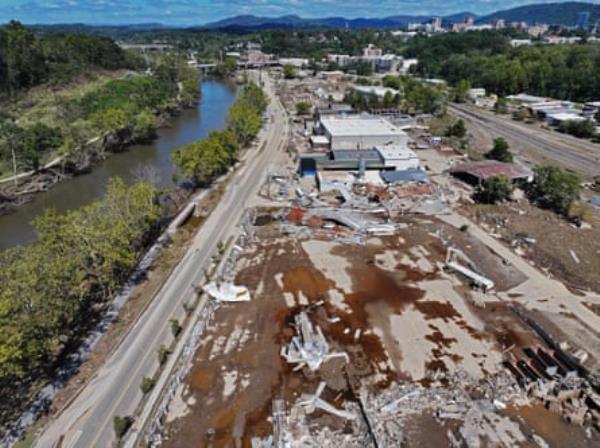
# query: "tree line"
(118, 110)
(51, 290)
(204, 159)
(486, 59)
(27, 61)
(412, 97)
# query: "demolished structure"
(317, 402)
(309, 347)
(454, 255)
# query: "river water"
(192, 124)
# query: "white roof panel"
(359, 126)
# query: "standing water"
(193, 124)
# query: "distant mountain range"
(296, 22)
(550, 13)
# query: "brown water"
(192, 124)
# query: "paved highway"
(87, 421)
(576, 154)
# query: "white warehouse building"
(360, 132)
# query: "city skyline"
(199, 12)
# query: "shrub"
(302, 108)
(500, 151)
(121, 425)
(458, 129)
(147, 384)
(555, 188)
(163, 354)
(493, 190)
(175, 327)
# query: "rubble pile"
(473, 405)
(309, 347)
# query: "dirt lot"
(389, 305)
(555, 239)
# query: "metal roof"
(404, 176)
(354, 126)
(395, 152)
(492, 168)
(369, 154)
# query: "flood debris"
(309, 347)
(457, 261)
(227, 292)
(316, 402)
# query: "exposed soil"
(536, 419)
(555, 239)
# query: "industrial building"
(359, 132)
(477, 172)
(397, 157)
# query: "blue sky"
(197, 12)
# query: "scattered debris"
(316, 402)
(227, 292)
(309, 347)
(469, 271)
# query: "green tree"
(500, 151)
(289, 72)
(147, 384)
(493, 190)
(190, 91)
(226, 68)
(163, 354)
(121, 425)
(457, 129)
(555, 188)
(144, 123)
(244, 121)
(79, 259)
(204, 159)
(175, 327)
(38, 139)
(388, 100)
(302, 108)
(110, 119)
(501, 106)
(580, 129)
(461, 91)
(24, 61)
(393, 82)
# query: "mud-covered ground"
(389, 305)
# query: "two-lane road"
(115, 390)
(576, 154)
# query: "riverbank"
(151, 270)
(150, 160)
(119, 129)
(145, 281)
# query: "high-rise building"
(583, 19)
(498, 24)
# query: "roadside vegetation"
(205, 159)
(53, 290)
